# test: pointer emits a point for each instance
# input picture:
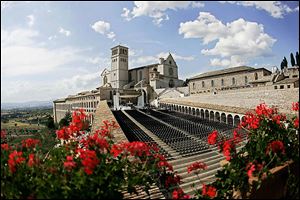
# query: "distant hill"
(28, 104)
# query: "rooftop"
(223, 71)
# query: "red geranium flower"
(30, 143)
(69, 163)
(296, 122)
(15, 158)
(209, 191)
(212, 138)
(196, 166)
(276, 147)
(295, 106)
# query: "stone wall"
(196, 84)
(102, 113)
(247, 98)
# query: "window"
(141, 75)
(129, 77)
(233, 81)
(212, 83)
(194, 86)
(170, 62)
(282, 87)
(203, 85)
(255, 76)
(288, 86)
(246, 80)
(170, 71)
(295, 76)
(105, 79)
(222, 82)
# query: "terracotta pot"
(272, 187)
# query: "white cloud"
(22, 55)
(275, 8)
(197, 4)
(104, 62)
(64, 32)
(156, 9)
(6, 4)
(52, 37)
(206, 27)
(236, 41)
(31, 20)
(103, 28)
(141, 60)
(28, 90)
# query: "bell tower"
(119, 66)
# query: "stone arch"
(243, 119)
(186, 110)
(230, 119)
(193, 111)
(197, 112)
(176, 107)
(223, 118)
(217, 117)
(236, 120)
(211, 115)
(179, 108)
(202, 114)
(190, 110)
(206, 116)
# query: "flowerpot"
(272, 187)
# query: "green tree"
(185, 83)
(297, 58)
(50, 122)
(285, 62)
(66, 120)
(292, 60)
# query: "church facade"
(162, 74)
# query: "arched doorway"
(211, 116)
(230, 119)
(223, 118)
(197, 112)
(237, 120)
(171, 83)
(218, 118)
(206, 115)
(202, 114)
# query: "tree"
(285, 62)
(292, 59)
(185, 83)
(297, 58)
(282, 65)
(66, 120)
(50, 122)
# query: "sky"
(50, 50)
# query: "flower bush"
(272, 140)
(82, 165)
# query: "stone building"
(243, 77)
(131, 85)
(163, 74)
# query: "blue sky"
(52, 49)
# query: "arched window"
(246, 80)
(104, 80)
(171, 83)
(233, 81)
(222, 82)
(255, 76)
(194, 86)
(141, 75)
(170, 62)
(212, 83)
(170, 71)
(203, 85)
